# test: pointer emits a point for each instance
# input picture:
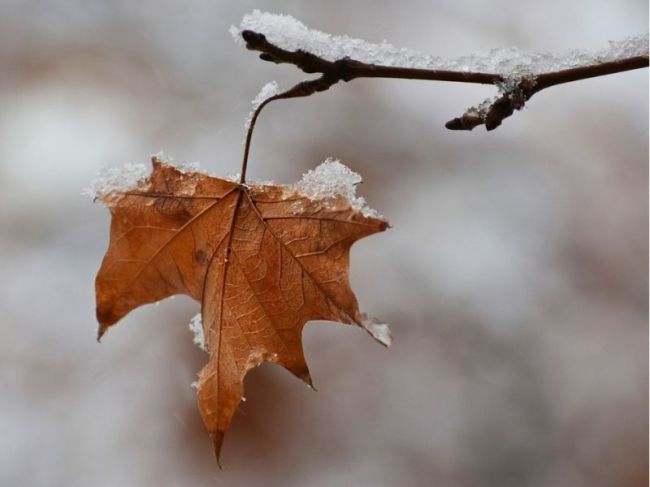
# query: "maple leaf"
(262, 260)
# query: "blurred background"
(515, 277)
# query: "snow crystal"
(267, 91)
(331, 179)
(115, 179)
(196, 325)
(111, 179)
(378, 329)
(164, 158)
(235, 177)
(183, 167)
(291, 34)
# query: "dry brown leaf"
(262, 260)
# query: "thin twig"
(514, 98)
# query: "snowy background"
(515, 277)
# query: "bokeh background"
(515, 277)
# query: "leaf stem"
(249, 136)
(304, 88)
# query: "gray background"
(515, 277)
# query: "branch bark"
(491, 115)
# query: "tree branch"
(514, 95)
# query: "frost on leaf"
(196, 326)
(129, 176)
(288, 33)
(330, 180)
(115, 179)
(261, 261)
(379, 330)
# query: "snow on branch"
(290, 34)
(518, 75)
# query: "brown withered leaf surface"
(261, 260)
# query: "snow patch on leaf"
(379, 330)
(330, 180)
(183, 167)
(235, 177)
(196, 326)
(290, 34)
(115, 179)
